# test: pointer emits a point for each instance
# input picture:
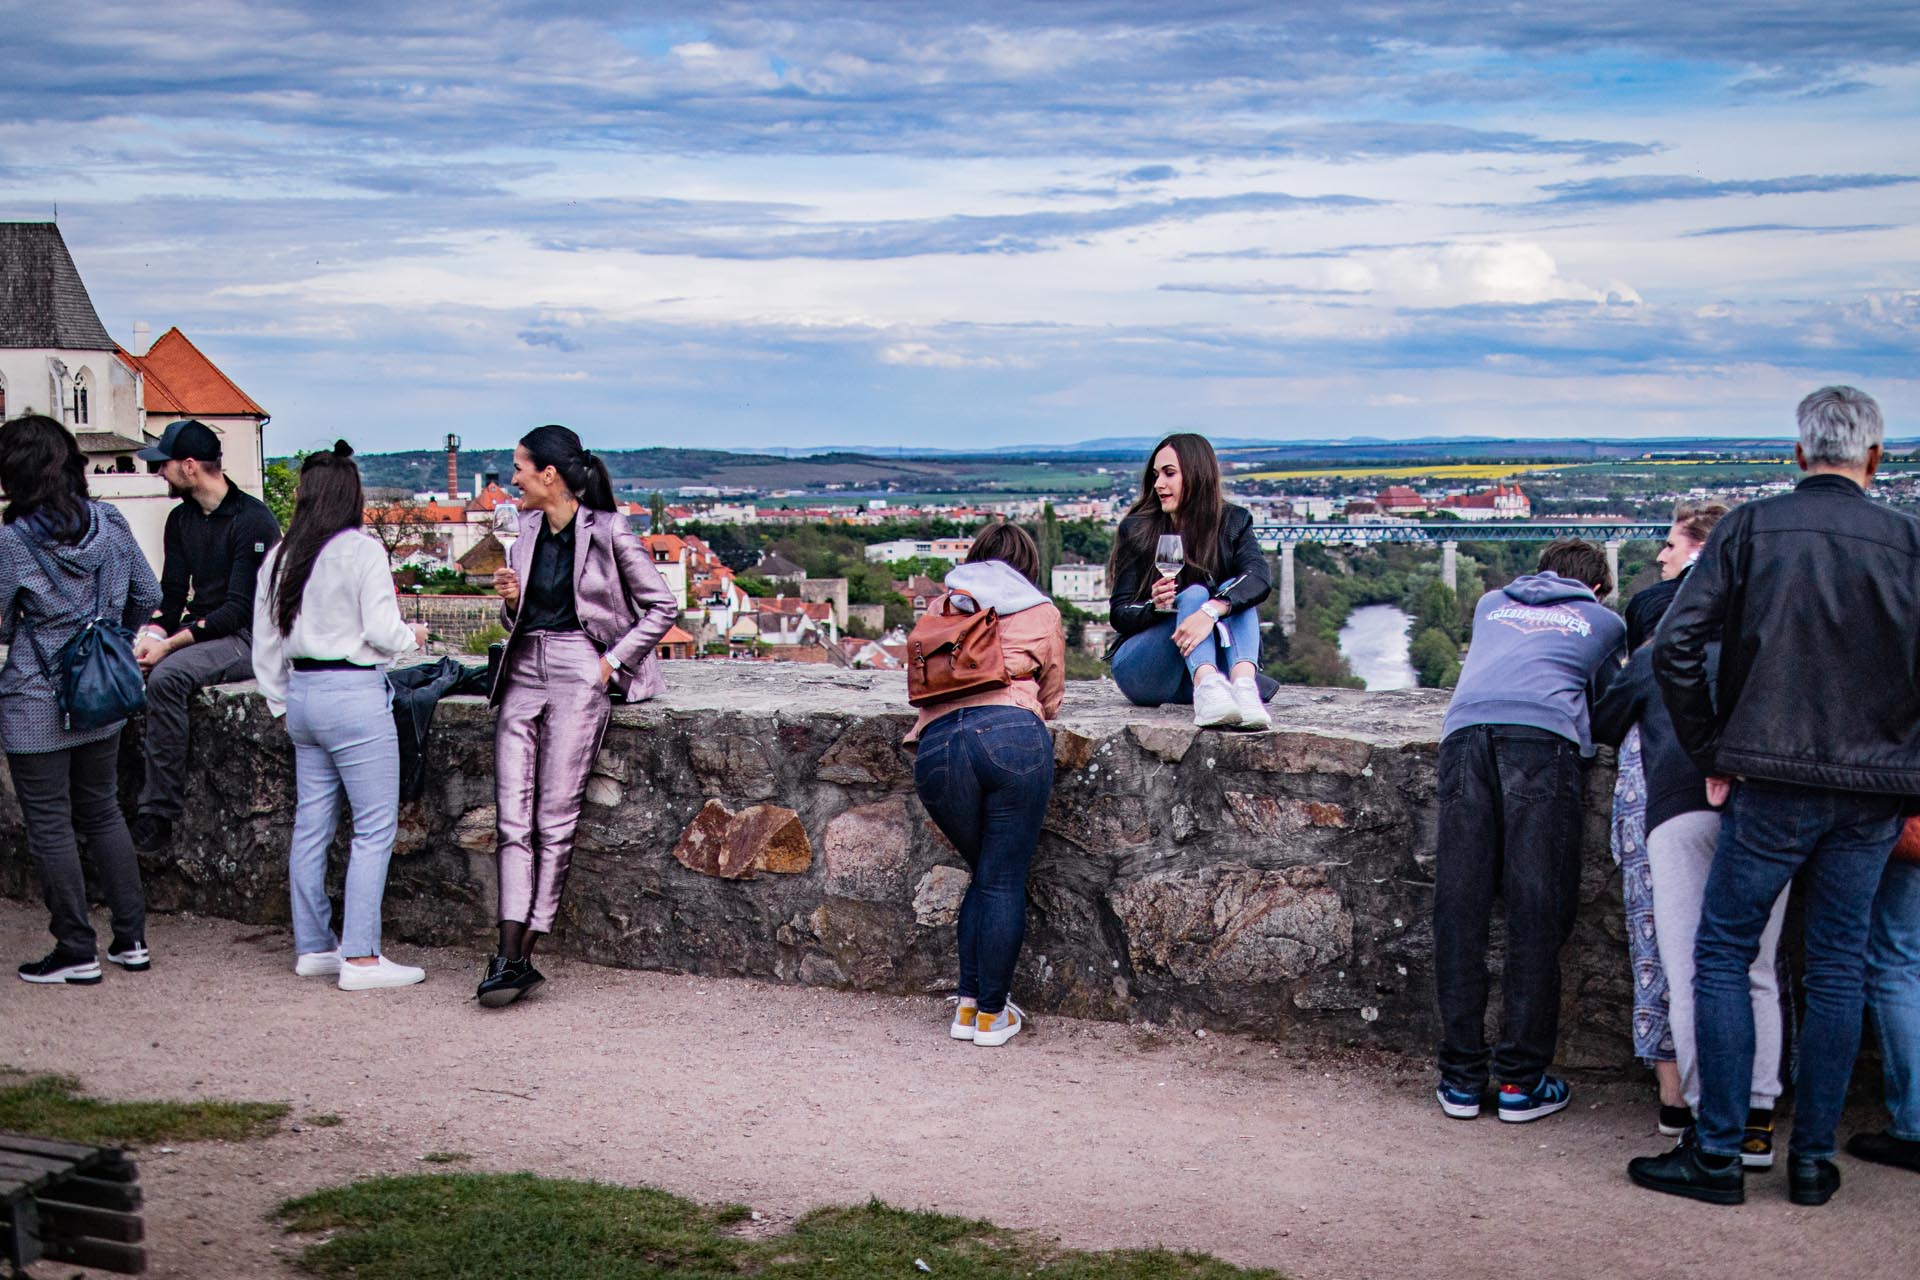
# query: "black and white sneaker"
(132, 956)
(56, 968)
(506, 981)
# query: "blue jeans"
(1151, 672)
(344, 744)
(985, 774)
(1770, 832)
(1893, 988)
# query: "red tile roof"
(182, 382)
(818, 610)
(490, 497)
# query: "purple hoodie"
(1540, 645)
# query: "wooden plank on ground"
(107, 1255)
(98, 1193)
(75, 1152)
(63, 1219)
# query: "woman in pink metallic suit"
(584, 607)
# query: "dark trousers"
(1510, 817)
(985, 775)
(171, 685)
(1770, 832)
(64, 794)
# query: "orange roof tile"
(182, 382)
(676, 636)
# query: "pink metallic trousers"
(551, 720)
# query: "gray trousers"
(171, 685)
(76, 792)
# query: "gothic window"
(81, 390)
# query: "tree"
(277, 484)
(1050, 543)
(396, 524)
(1437, 607)
(1436, 659)
(658, 507)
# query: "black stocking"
(512, 938)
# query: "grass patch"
(54, 1107)
(446, 1157)
(325, 1121)
(475, 1226)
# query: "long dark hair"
(328, 501)
(585, 475)
(1197, 521)
(45, 474)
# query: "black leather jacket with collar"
(1130, 607)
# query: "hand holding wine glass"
(1169, 557)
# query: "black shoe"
(150, 832)
(1756, 1146)
(506, 981)
(1683, 1172)
(1674, 1121)
(130, 954)
(54, 968)
(1884, 1148)
(1811, 1180)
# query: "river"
(1374, 643)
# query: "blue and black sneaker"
(1461, 1104)
(1517, 1105)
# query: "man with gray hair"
(1812, 740)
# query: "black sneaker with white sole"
(131, 955)
(507, 981)
(78, 971)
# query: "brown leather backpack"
(951, 655)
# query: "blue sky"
(959, 225)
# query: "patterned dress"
(1652, 1037)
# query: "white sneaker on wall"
(1213, 703)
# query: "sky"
(984, 225)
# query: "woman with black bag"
(66, 562)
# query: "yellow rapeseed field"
(1442, 471)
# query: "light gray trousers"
(344, 746)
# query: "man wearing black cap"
(202, 632)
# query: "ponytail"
(584, 474)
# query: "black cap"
(187, 438)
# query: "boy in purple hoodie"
(1513, 752)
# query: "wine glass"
(1169, 557)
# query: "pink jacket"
(625, 606)
(1036, 652)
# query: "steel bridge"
(1447, 535)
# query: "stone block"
(732, 846)
(1293, 753)
(869, 754)
(936, 899)
(1234, 924)
(866, 852)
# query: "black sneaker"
(1756, 1148)
(1884, 1148)
(1811, 1180)
(1685, 1171)
(1674, 1121)
(54, 968)
(506, 981)
(150, 832)
(130, 954)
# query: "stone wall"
(760, 821)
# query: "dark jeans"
(1770, 831)
(171, 685)
(76, 791)
(985, 774)
(1510, 814)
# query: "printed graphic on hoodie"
(1534, 618)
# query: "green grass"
(54, 1107)
(474, 1226)
(446, 1157)
(325, 1121)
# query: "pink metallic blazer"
(625, 606)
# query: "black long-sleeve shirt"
(212, 560)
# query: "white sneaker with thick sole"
(1253, 712)
(961, 1028)
(1213, 704)
(382, 973)
(134, 957)
(991, 1029)
(317, 964)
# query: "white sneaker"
(382, 973)
(991, 1029)
(317, 964)
(1253, 712)
(1213, 704)
(961, 1028)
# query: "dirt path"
(784, 1098)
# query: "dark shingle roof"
(42, 302)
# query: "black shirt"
(546, 597)
(212, 559)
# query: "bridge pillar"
(1450, 565)
(1613, 568)
(1287, 608)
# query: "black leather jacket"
(1815, 595)
(1130, 608)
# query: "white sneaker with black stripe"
(55, 968)
(132, 956)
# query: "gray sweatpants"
(1680, 853)
(171, 685)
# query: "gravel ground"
(784, 1098)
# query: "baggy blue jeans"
(1771, 830)
(1151, 672)
(1893, 989)
(344, 745)
(985, 775)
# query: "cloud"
(1151, 173)
(927, 356)
(550, 338)
(1259, 288)
(1758, 228)
(1649, 188)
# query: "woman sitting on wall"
(984, 771)
(325, 626)
(64, 561)
(584, 608)
(1167, 612)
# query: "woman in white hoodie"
(984, 771)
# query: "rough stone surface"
(1279, 883)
